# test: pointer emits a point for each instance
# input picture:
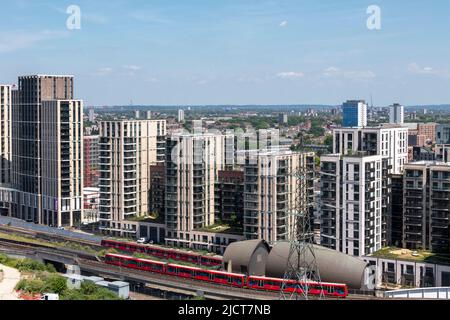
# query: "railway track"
(35, 248)
(178, 283)
(90, 262)
(48, 236)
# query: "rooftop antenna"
(301, 264)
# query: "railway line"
(90, 263)
(212, 290)
(51, 237)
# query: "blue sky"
(174, 52)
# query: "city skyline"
(236, 53)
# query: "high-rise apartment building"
(389, 141)
(271, 192)
(181, 115)
(5, 133)
(397, 114)
(61, 163)
(91, 160)
(426, 206)
(283, 118)
(354, 113)
(390, 144)
(128, 149)
(38, 100)
(351, 203)
(192, 167)
(91, 115)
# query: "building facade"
(128, 149)
(426, 206)
(271, 192)
(442, 149)
(391, 142)
(157, 199)
(62, 162)
(351, 203)
(428, 131)
(47, 152)
(91, 160)
(192, 166)
(397, 114)
(229, 196)
(5, 133)
(354, 113)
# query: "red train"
(224, 278)
(160, 252)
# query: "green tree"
(56, 284)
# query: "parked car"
(142, 240)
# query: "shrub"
(56, 284)
(31, 286)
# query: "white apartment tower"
(181, 115)
(389, 141)
(5, 133)
(127, 150)
(351, 203)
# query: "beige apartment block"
(271, 193)
(193, 163)
(128, 149)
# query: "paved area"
(10, 279)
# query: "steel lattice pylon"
(301, 264)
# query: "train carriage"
(135, 263)
(158, 252)
(225, 278)
(275, 284)
(210, 261)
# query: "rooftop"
(410, 255)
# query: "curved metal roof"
(241, 253)
(333, 266)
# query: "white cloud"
(131, 70)
(335, 72)
(103, 71)
(416, 69)
(132, 67)
(284, 23)
(13, 41)
(290, 75)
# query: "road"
(10, 279)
